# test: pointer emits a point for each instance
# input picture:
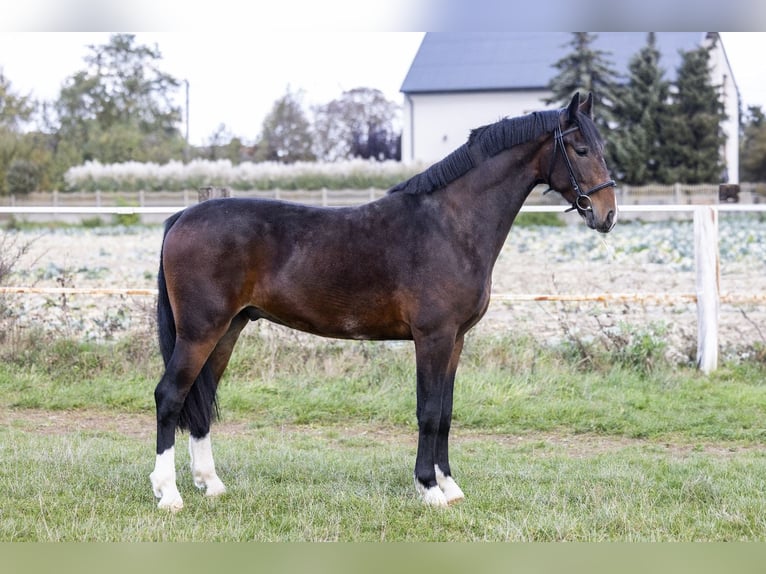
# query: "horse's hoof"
(455, 499)
(432, 496)
(171, 503)
(452, 492)
(215, 488)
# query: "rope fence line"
(78, 291)
(648, 298)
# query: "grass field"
(317, 442)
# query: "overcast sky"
(234, 78)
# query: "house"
(459, 81)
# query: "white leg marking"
(164, 481)
(431, 496)
(452, 492)
(203, 466)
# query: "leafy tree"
(752, 154)
(585, 69)
(121, 106)
(286, 133)
(358, 124)
(15, 111)
(23, 176)
(640, 112)
(693, 133)
(222, 144)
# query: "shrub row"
(175, 175)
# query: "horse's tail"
(200, 405)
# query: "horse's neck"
(486, 201)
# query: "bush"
(176, 176)
(22, 177)
(125, 219)
(11, 251)
(529, 219)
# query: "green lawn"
(317, 443)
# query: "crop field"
(573, 422)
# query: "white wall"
(722, 75)
(437, 124)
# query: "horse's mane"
(488, 141)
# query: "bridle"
(582, 202)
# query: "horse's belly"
(337, 317)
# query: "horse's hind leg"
(181, 371)
(200, 447)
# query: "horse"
(415, 264)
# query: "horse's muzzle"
(603, 225)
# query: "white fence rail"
(674, 194)
(707, 266)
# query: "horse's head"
(577, 167)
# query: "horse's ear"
(587, 106)
(573, 105)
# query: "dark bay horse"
(414, 265)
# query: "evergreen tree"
(640, 112)
(585, 69)
(286, 133)
(693, 133)
(752, 152)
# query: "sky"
(235, 78)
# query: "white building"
(460, 81)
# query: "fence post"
(205, 193)
(706, 261)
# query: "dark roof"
(455, 62)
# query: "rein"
(582, 202)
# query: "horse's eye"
(581, 151)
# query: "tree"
(358, 124)
(121, 106)
(15, 110)
(752, 153)
(693, 133)
(585, 69)
(640, 112)
(286, 134)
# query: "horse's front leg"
(433, 353)
(447, 484)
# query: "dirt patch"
(142, 427)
